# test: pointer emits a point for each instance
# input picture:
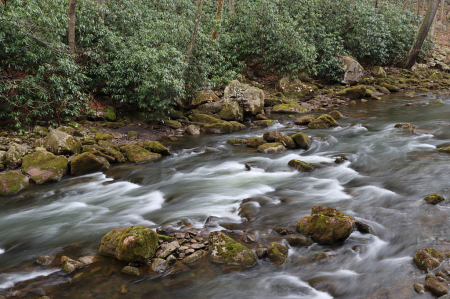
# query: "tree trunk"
(101, 3)
(442, 11)
(405, 4)
(231, 6)
(376, 3)
(194, 34)
(71, 35)
(421, 35)
(215, 32)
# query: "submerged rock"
(323, 122)
(159, 265)
(130, 244)
(301, 166)
(434, 198)
(299, 241)
(428, 259)
(88, 163)
(12, 182)
(433, 285)
(277, 253)
(225, 250)
(133, 271)
(326, 225)
(194, 257)
(44, 167)
(69, 265)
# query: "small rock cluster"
(429, 259)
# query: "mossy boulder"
(130, 244)
(172, 124)
(202, 97)
(12, 182)
(237, 95)
(14, 155)
(354, 92)
(264, 123)
(255, 142)
(88, 163)
(225, 250)
(156, 147)
(109, 115)
(271, 136)
(296, 89)
(44, 167)
(326, 225)
(40, 130)
(103, 136)
(336, 114)
(301, 140)
(304, 120)
(131, 135)
(231, 113)
(300, 165)
(323, 122)
(299, 241)
(287, 141)
(203, 119)
(136, 154)
(60, 143)
(434, 286)
(271, 148)
(353, 71)
(219, 128)
(427, 259)
(288, 108)
(69, 265)
(277, 253)
(378, 72)
(210, 108)
(434, 198)
(88, 141)
(390, 87)
(237, 141)
(237, 126)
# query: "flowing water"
(388, 173)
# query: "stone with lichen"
(225, 250)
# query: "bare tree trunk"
(194, 34)
(219, 13)
(231, 6)
(101, 3)
(376, 3)
(433, 26)
(71, 35)
(405, 4)
(442, 11)
(421, 35)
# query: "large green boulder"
(301, 140)
(277, 253)
(14, 155)
(296, 89)
(354, 92)
(88, 163)
(203, 119)
(44, 167)
(12, 182)
(156, 147)
(203, 97)
(130, 244)
(136, 154)
(427, 259)
(378, 72)
(60, 143)
(225, 250)
(326, 225)
(323, 122)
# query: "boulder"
(12, 182)
(237, 141)
(433, 285)
(44, 167)
(255, 142)
(203, 119)
(353, 71)
(210, 108)
(45, 260)
(428, 259)
(136, 154)
(219, 128)
(299, 241)
(14, 155)
(271, 136)
(354, 92)
(131, 135)
(288, 108)
(237, 126)
(60, 143)
(301, 166)
(434, 198)
(156, 147)
(304, 120)
(40, 130)
(271, 148)
(69, 265)
(193, 130)
(390, 87)
(277, 253)
(88, 163)
(301, 140)
(323, 122)
(284, 230)
(296, 89)
(287, 142)
(249, 211)
(231, 112)
(336, 114)
(105, 136)
(326, 225)
(264, 123)
(203, 97)
(225, 250)
(237, 95)
(130, 244)
(378, 72)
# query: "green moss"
(203, 118)
(288, 108)
(390, 87)
(274, 147)
(132, 135)
(226, 250)
(427, 259)
(264, 123)
(355, 92)
(12, 182)
(137, 154)
(103, 136)
(228, 113)
(323, 122)
(301, 140)
(110, 115)
(74, 124)
(277, 253)
(237, 141)
(434, 198)
(173, 124)
(301, 166)
(50, 168)
(255, 142)
(219, 128)
(165, 238)
(156, 147)
(237, 126)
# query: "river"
(388, 173)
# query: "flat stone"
(197, 246)
(194, 257)
(131, 270)
(168, 249)
(159, 265)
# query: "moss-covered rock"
(299, 241)
(69, 265)
(14, 155)
(323, 122)
(237, 141)
(202, 97)
(354, 92)
(133, 271)
(136, 154)
(427, 259)
(434, 198)
(243, 98)
(44, 167)
(255, 142)
(203, 119)
(156, 147)
(390, 87)
(231, 113)
(109, 115)
(326, 225)
(130, 244)
(336, 114)
(434, 286)
(264, 123)
(304, 120)
(296, 89)
(288, 108)
(249, 211)
(40, 130)
(219, 128)
(301, 140)
(88, 163)
(287, 141)
(271, 148)
(131, 135)
(193, 130)
(173, 124)
(60, 143)
(225, 250)
(271, 136)
(12, 182)
(277, 253)
(301, 166)
(103, 136)
(237, 126)
(199, 254)
(88, 141)
(378, 72)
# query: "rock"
(173, 124)
(156, 147)
(116, 135)
(355, 92)
(434, 198)
(14, 155)
(133, 271)
(419, 288)
(326, 225)
(45, 260)
(109, 114)
(288, 108)
(40, 130)
(255, 142)
(353, 71)
(277, 253)
(362, 227)
(88, 163)
(136, 154)
(301, 166)
(336, 114)
(304, 120)
(271, 148)
(237, 95)
(69, 265)
(210, 108)
(193, 130)
(323, 122)
(202, 97)
(284, 230)
(434, 286)
(301, 140)
(237, 141)
(296, 89)
(12, 182)
(104, 136)
(159, 265)
(428, 259)
(299, 241)
(264, 123)
(44, 167)
(197, 246)
(237, 126)
(249, 211)
(171, 259)
(168, 249)
(60, 143)
(271, 136)
(404, 126)
(87, 260)
(390, 87)
(131, 135)
(261, 252)
(194, 257)
(225, 250)
(219, 128)
(287, 142)
(130, 244)
(231, 113)
(88, 141)
(378, 72)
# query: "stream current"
(388, 173)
